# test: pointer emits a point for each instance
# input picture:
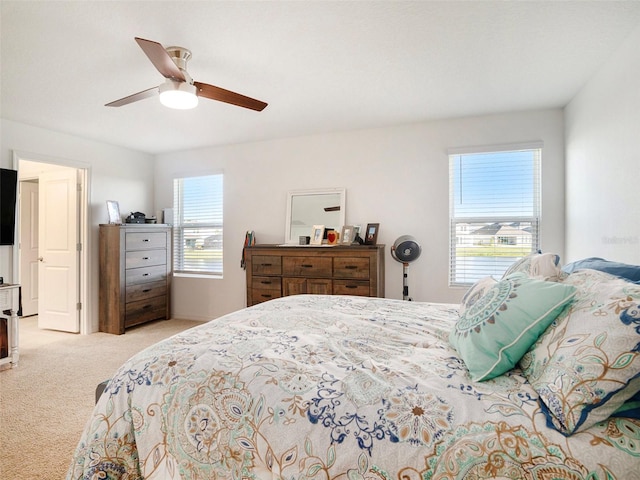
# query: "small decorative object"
(357, 237)
(136, 217)
(249, 241)
(348, 235)
(317, 233)
(304, 240)
(113, 209)
(332, 237)
(167, 216)
(371, 235)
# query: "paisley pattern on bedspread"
(331, 387)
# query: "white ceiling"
(322, 66)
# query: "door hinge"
(79, 247)
(78, 306)
(79, 187)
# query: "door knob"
(41, 259)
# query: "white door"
(58, 265)
(29, 246)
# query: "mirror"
(306, 208)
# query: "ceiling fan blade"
(150, 92)
(227, 96)
(160, 59)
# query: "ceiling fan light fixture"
(178, 95)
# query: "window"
(197, 230)
(494, 210)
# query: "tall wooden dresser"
(277, 271)
(135, 275)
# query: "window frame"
(180, 265)
(497, 264)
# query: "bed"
(354, 388)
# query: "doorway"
(51, 261)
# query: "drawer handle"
(146, 240)
(145, 258)
(264, 295)
(146, 290)
(147, 307)
(350, 286)
(351, 267)
(266, 264)
(306, 265)
(264, 282)
(146, 274)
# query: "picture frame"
(371, 233)
(348, 235)
(317, 234)
(113, 211)
(333, 237)
(357, 237)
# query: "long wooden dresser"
(135, 275)
(276, 271)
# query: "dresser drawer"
(351, 287)
(145, 290)
(145, 310)
(307, 266)
(263, 294)
(145, 258)
(267, 283)
(144, 240)
(134, 276)
(351, 267)
(266, 265)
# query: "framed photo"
(317, 233)
(333, 236)
(371, 234)
(113, 209)
(348, 235)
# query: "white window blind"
(197, 231)
(494, 211)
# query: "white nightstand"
(9, 300)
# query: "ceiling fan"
(180, 90)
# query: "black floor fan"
(405, 250)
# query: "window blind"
(494, 211)
(198, 225)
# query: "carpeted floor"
(45, 402)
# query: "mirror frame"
(320, 191)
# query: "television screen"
(8, 190)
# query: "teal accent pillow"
(476, 292)
(497, 330)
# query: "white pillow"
(541, 266)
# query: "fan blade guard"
(406, 249)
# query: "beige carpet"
(45, 402)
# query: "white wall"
(396, 176)
(603, 161)
(115, 173)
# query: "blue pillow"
(623, 270)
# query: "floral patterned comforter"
(332, 387)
